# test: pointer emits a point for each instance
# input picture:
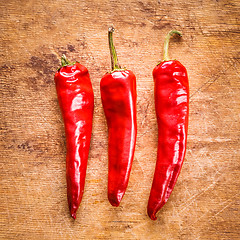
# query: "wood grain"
(34, 34)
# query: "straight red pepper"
(76, 100)
(172, 109)
(118, 93)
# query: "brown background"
(34, 35)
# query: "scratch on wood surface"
(226, 206)
(209, 82)
(145, 114)
(202, 216)
(197, 195)
(140, 165)
(209, 211)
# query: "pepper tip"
(115, 199)
(73, 215)
(153, 217)
(152, 214)
(114, 203)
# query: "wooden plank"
(34, 34)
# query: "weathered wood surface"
(34, 34)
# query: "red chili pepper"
(172, 108)
(75, 96)
(118, 93)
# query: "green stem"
(65, 62)
(114, 59)
(166, 43)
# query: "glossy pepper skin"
(172, 109)
(76, 100)
(118, 93)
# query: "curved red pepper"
(118, 93)
(76, 100)
(172, 109)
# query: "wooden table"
(34, 35)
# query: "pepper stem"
(65, 62)
(166, 43)
(114, 59)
